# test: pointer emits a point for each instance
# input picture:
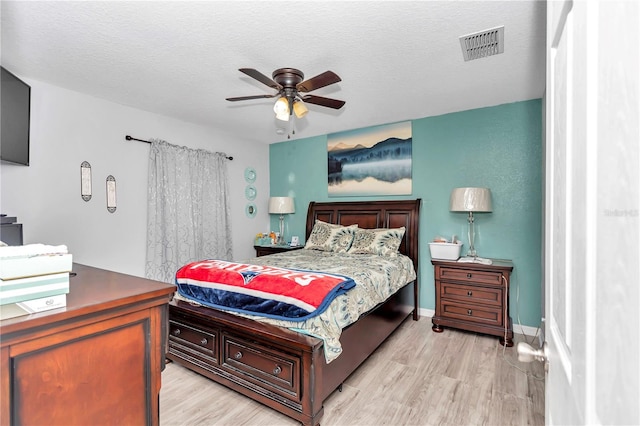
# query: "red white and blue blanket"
(280, 293)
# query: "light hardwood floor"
(417, 377)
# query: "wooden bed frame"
(281, 368)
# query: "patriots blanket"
(280, 293)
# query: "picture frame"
(372, 161)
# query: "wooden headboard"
(371, 215)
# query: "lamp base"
(280, 240)
(471, 235)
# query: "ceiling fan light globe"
(300, 109)
(284, 116)
(281, 106)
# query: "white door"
(592, 230)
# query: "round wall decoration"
(250, 192)
(250, 175)
(251, 210)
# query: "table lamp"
(281, 206)
(472, 200)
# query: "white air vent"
(482, 44)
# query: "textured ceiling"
(398, 60)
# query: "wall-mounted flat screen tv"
(15, 110)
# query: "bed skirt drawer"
(270, 369)
(191, 341)
(475, 313)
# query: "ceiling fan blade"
(260, 77)
(245, 98)
(321, 80)
(322, 101)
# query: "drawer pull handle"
(469, 275)
(469, 312)
(238, 355)
(469, 293)
(277, 370)
(204, 341)
(176, 332)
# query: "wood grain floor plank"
(417, 377)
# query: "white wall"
(68, 128)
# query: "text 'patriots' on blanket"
(281, 293)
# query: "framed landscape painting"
(370, 161)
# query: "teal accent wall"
(495, 147)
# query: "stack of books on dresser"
(34, 277)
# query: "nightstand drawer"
(267, 250)
(192, 341)
(475, 313)
(270, 369)
(465, 275)
(473, 294)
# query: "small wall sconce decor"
(85, 180)
(111, 194)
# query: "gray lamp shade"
(281, 205)
(470, 200)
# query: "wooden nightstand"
(265, 250)
(473, 297)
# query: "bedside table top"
(497, 264)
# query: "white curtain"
(188, 215)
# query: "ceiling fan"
(290, 83)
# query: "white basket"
(445, 251)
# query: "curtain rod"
(129, 138)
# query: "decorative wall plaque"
(85, 180)
(111, 194)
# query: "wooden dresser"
(97, 361)
(473, 297)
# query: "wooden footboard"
(272, 365)
(275, 366)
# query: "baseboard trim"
(517, 328)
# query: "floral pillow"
(329, 237)
(384, 242)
